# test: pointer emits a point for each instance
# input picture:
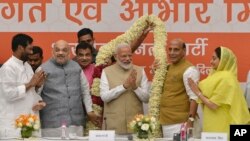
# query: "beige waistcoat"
(120, 111)
(174, 105)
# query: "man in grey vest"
(65, 91)
(124, 87)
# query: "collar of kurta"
(89, 66)
(20, 62)
(180, 62)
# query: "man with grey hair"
(64, 91)
(178, 102)
(124, 86)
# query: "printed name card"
(101, 135)
(205, 136)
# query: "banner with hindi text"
(204, 25)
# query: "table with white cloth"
(77, 139)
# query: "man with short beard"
(124, 86)
(36, 58)
(18, 86)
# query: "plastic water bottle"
(183, 133)
(190, 134)
(63, 132)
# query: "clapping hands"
(130, 82)
(37, 80)
(193, 86)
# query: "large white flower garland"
(159, 52)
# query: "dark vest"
(62, 94)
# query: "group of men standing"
(59, 88)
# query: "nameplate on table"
(205, 136)
(101, 135)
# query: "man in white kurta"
(123, 88)
(17, 87)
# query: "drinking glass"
(72, 132)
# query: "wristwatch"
(191, 119)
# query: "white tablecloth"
(78, 139)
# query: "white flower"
(36, 126)
(152, 126)
(31, 120)
(145, 127)
(159, 52)
(37, 122)
(153, 119)
(140, 123)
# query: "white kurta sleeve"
(85, 93)
(106, 93)
(11, 89)
(193, 73)
(143, 90)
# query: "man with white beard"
(124, 87)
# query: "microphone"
(130, 137)
(105, 123)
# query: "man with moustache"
(124, 86)
(64, 91)
(18, 86)
(178, 102)
(36, 58)
(84, 59)
(86, 35)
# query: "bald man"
(64, 91)
(178, 104)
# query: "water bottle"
(183, 133)
(63, 132)
(190, 134)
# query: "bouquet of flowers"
(143, 126)
(27, 123)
